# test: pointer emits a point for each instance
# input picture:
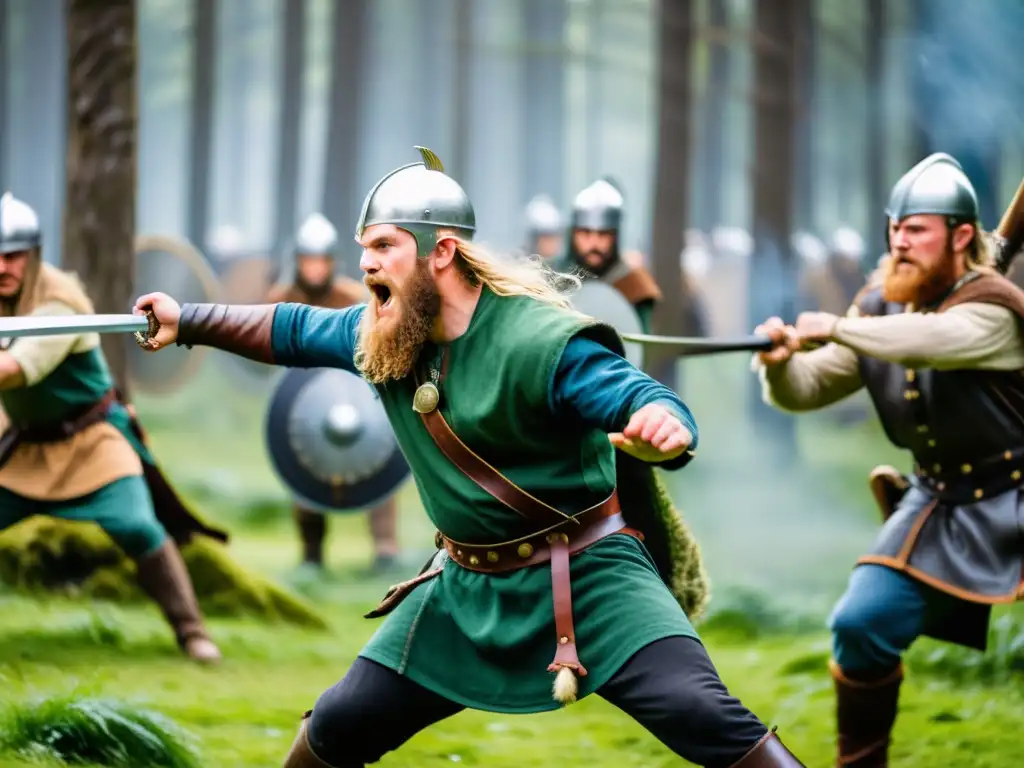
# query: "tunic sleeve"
(313, 337)
(603, 390)
(810, 380)
(969, 335)
(39, 356)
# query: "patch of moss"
(45, 554)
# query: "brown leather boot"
(300, 755)
(769, 752)
(163, 576)
(383, 521)
(887, 485)
(865, 715)
(313, 530)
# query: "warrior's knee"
(137, 537)
(862, 637)
(337, 732)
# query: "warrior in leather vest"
(594, 248)
(314, 282)
(935, 338)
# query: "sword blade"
(41, 325)
(692, 345)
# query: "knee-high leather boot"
(865, 715)
(300, 755)
(313, 530)
(769, 752)
(163, 576)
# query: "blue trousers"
(879, 616)
(123, 508)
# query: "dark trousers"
(670, 687)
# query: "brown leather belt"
(594, 524)
(54, 432)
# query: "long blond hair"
(43, 283)
(513, 275)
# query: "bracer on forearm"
(241, 329)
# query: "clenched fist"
(653, 434)
(167, 312)
(783, 336)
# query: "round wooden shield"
(246, 280)
(176, 267)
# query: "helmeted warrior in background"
(544, 228)
(71, 448)
(315, 283)
(935, 338)
(523, 426)
(593, 248)
(832, 278)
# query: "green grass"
(779, 543)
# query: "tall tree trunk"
(876, 159)
(5, 16)
(340, 196)
(710, 203)
(290, 119)
(671, 180)
(544, 86)
(99, 202)
(806, 39)
(459, 167)
(204, 35)
(772, 276)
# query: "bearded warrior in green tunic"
(561, 565)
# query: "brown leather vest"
(953, 422)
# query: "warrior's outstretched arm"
(604, 391)
(810, 380)
(971, 335)
(313, 337)
(292, 335)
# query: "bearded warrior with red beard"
(532, 442)
(316, 284)
(936, 339)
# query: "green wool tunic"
(485, 640)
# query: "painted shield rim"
(357, 496)
(238, 370)
(194, 259)
(634, 351)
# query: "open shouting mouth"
(383, 296)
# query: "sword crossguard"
(142, 339)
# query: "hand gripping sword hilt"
(143, 339)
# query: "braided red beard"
(388, 348)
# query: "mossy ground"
(779, 545)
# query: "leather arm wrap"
(242, 329)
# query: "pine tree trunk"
(99, 201)
(772, 273)
(671, 183)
